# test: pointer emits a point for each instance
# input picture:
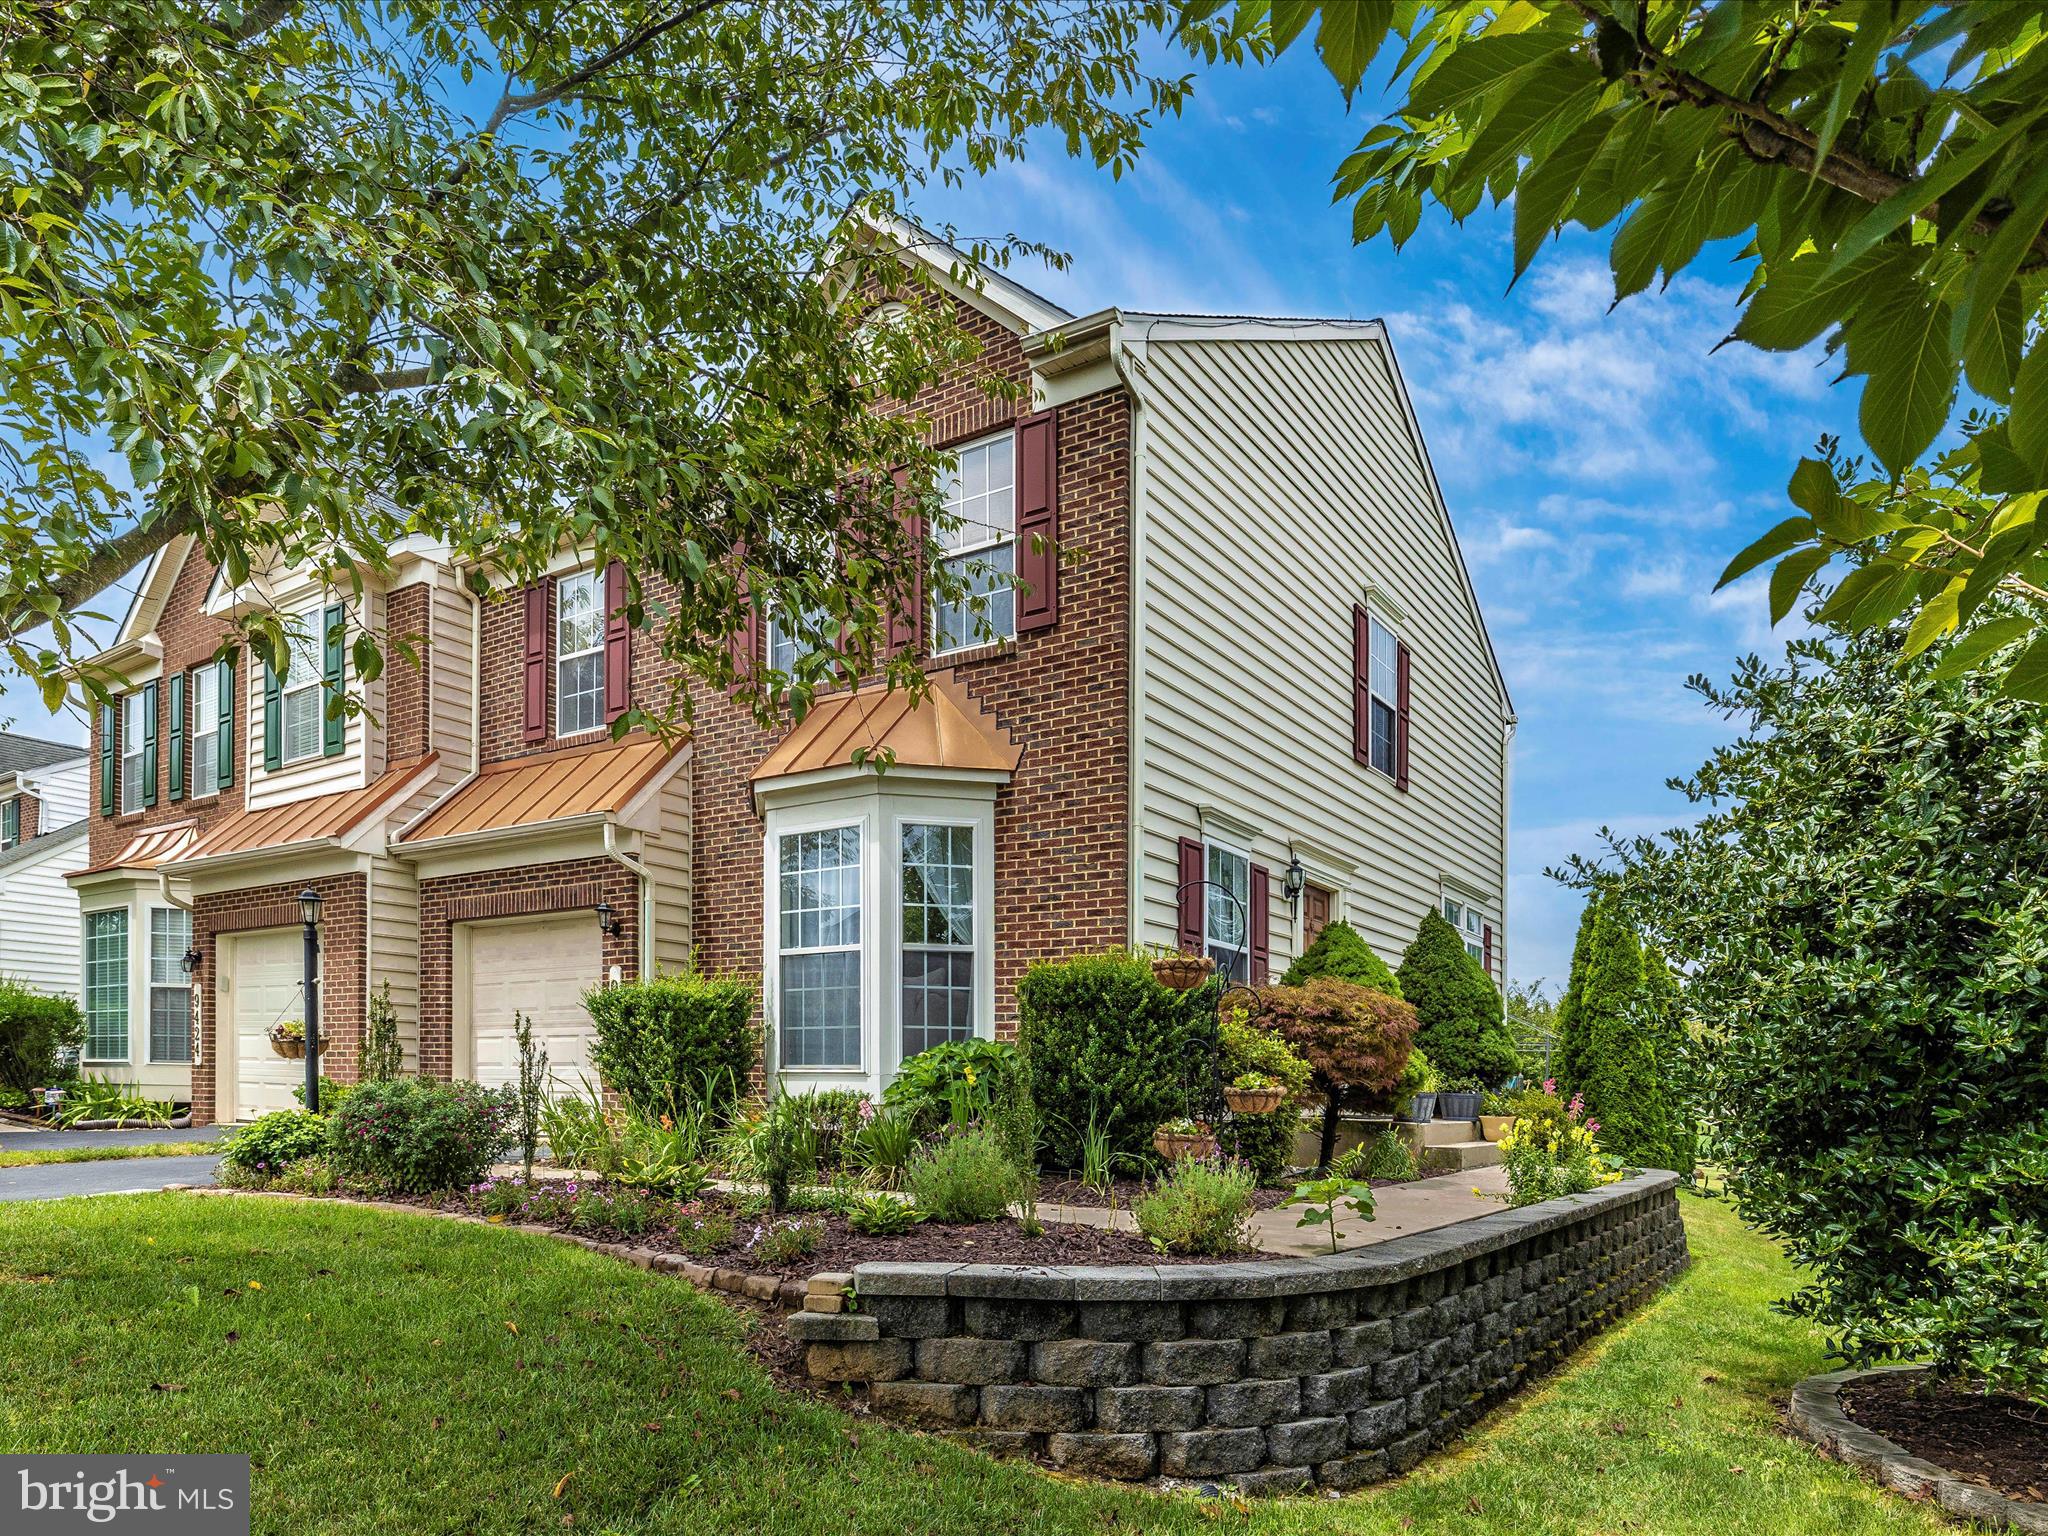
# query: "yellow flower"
(255, 1285)
(969, 1071)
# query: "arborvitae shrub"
(1457, 1007)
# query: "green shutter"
(10, 822)
(106, 759)
(177, 708)
(273, 720)
(225, 746)
(149, 743)
(334, 724)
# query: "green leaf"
(1873, 20)
(1901, 337)
(1801, 299)
(1614, 178)
(1937, 616)
(2026, 427)
(1471, 68)
(1813, 489)
(146, 459)
(1561, 88)
(1869, 596)
(1995, 358)
(2028, 678)
(1790, 579)
(1974, 645)
(1351, 34)
(1666, 231)
(1999, 262)
(1792, 531)
(1547, 189)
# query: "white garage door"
(541, 969)
(268, 971)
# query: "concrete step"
(1469, 1154)
(1440, 1133)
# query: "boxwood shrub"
(671, 1042)
(269, 1144)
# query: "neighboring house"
(1250, 693)
(42, 824)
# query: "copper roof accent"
(318, 820)
(148, 848)
(599, 780)
(946, 729)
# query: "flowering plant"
(1553, 1149)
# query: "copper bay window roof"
(600, 780)
(161, 844)
(945, 729)
(321, 819)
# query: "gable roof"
(54, 841)
(1000, 297)
(21, 754)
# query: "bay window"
(170, 994)
(106, 986)
(979, 546)
(938, 935)
(819, 963)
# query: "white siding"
(667, 857)
(39, 939)
(62, 792)
(1278, 482)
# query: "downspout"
(163, 885)
(476, 674)
(638, 871)
(1129, 365)
(1507, 773)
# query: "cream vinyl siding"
(394, 906)
(39, 933)
(667, 857)
(1278, 483)
(451, 722)
(361, 757)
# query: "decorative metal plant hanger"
(1202, 1083)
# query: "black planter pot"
(1457, 1106)
(1421, 1107)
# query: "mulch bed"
(1071, 1191)
(2001, 1442)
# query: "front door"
(1315, 912)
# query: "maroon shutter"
(906, 615)
(536, 598)
(1189, 937)
(618, 644)
(1401, 719)
(1486, 941)
(1261, 919)
(744, 643)
(1038, 522)
(1361, 685)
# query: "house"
(1250, 692)
(42, 824)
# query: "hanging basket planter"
(1183, 973)
(1174, 1145)
(289, 1041)
(1254, 1101)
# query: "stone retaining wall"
(1271, 1375)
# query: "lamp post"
(309, 914)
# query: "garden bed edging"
(1335, 1371)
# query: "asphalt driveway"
(55, 1181)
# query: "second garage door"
(542, 969)
(269, 972)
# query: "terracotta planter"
(1253, 1101)
(1175, 1145)
(1183, 973)
(1493, 1127)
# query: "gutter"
(638, 871)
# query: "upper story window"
(202, 689)
(1384, 676)
(981, 547)
(133, 740)
(301, 696)
(1226, 932)
(579, 653)
(10, 822)
(1471, 925)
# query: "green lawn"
(36, 1157)
(377, 1379)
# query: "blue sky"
(1600, 467)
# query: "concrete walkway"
(1400, 1210)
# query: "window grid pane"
(989, 609)
(1229, 900)
(579, 654)
(106, 986)
(819, 927)
(938, 936)
(131, 753)
(204, 766)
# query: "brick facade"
(574, 885)
(343, 934)
(190, 636)
(30, 812)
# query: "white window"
(938, 935)
(1384, 679)
(981, 547)
(131, 752)
(302, 695)
(106, 986)
(10, 822)
(170, 994)
(819, 944)
(579, 654)
(1471, 925)
(203, 689)
(1225, 933)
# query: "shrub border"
(1817, 1415)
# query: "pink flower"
(1578, 1104)
(1550, 1085)
(1593, 1126)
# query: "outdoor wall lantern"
(1296, 877)
(609, 923)
(190, 961)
